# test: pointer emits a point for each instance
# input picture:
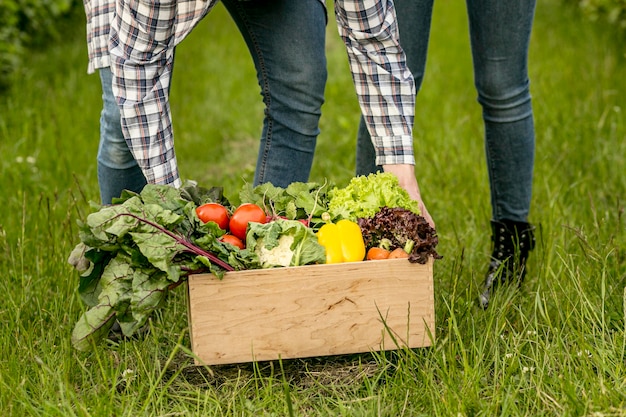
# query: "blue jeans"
(117, 168)
(499, 36)
(286, 40)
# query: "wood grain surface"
(308, 311)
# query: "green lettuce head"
(364, 196)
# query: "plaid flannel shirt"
(143, 37)
(99, 14)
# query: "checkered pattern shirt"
(99, 14)
(142, 39)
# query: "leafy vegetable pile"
(135, 251)
(365, 195)
(401, 228)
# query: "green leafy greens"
(365, 195)
(133, 252)
(299, 200)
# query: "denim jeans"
(286, 40)
(499, 36)
(117, 168)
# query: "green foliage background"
(26, 24)
(613, 11)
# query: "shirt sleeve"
(144, 34)
(384, 85)
(98, 14)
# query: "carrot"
(377, 253)
(398, 253)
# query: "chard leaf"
(167, 197)
(126, 194)
(109, 223)
(238, 259)
(89, 287)
(114, 297)
(92, 326)
(149, 291)
(116, 283)
(160, 250)
(161, 216)
(208, 265)
(105, 227)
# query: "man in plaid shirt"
(291, 70)
(144, 35)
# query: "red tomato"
(233, 240)
(214, 212)
(244, 214)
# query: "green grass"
(557, 347)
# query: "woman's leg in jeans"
(117, 169)
(414, 17)
(286, 39)
(500, 34)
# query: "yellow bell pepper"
(343, 241)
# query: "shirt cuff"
(394, 151)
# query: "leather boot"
(511, 244)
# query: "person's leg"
(286, 39)
(414, 18)
(500, 34)
(117, 169)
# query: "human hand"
(407, 180)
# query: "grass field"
(557, 347)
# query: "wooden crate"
(309, 311)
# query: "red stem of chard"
(186, 243)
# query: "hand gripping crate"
(310, 311)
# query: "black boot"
(512, 241)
